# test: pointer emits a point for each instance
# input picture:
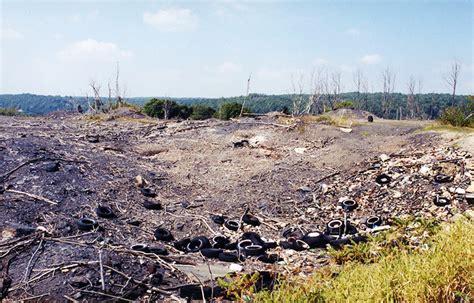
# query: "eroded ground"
(287, 177)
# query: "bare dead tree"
(109, 99)
(246, 96)
(298, 95)
(411, 107)
(336, 86)
(97, 101)
(388, 88)
(452, 78)
(358, 79)
(365, 90)
(166, 108)
(119, 99)
(314, 104)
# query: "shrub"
(230, 110)
(9, 111)
(456, 116)
(344, 104)
(156, 108)
(202, 112)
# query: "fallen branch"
(36, 197)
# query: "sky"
(209, 48)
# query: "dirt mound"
(357, 114)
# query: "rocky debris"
(190, 207)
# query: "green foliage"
(202, 112)
(344, 104)
(9, 112)
(230, 110)
(457, 116)
(158, 107)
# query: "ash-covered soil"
(56, 170)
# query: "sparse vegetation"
(9, 112)
(166, 109)
(230, 110)
(457, 116)
(391, 267)
(202, 112)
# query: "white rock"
(384, 157)
(469, 213)
(345, 130)
(470, 189)
(425, 170)
(460, 191)
(236, 267)
(324, 188)
(300, 150)
(397, 194)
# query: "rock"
(460, 191)
(345, 130)
(78, 281)
(456, 217)
(324, 188)
(470, 189)
(469, 213)
(140, 181)
(300, 150)
(384, 157)
(305, 189)
(51, 167)
(236, 267)
(397, 194)
(424, 170)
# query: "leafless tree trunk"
(246, 96)
(358, 78)
(97, 102)
(411, 97)
(365, 89)
(119, 99)
(452, 78)
(166, 109)
(298, 95)
(388, 89)
(336, 86)
(314, 104)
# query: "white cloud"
(77, 18)
(172, 20)
(371, 59)
(90, 48)
(9, 33)
(354, 32)
(229, 67)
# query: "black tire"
(211, 252)
(152, 205)
(228, 257)
(335, 227)
(139, 247)
(349, 205)
(373, 221)
(269, 259)
(270, 245)
(218, 219)
(287, 231)
(339, 243)
(383, 179)
(442, 178)
(220, 241)
(370, 118)
(315, 240)
(87, 224)
(162, 234)
(147, 192)
(198, 243)
(254, 250)
(243, 243)
(156, 279)
(194, 292)
(104, 212)
(51, 167)
(286, 245)
(182, 244)
(231, 246)
(250, 220)
(299, 245)
(441, 201)
(158, 251)
(470, 199)
(232, 225)
(254, 237)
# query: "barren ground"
(196, 171)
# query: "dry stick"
(27, 271)
(104, 294)
(137, 281)
(32, 196)
(101, 266)
(35, 297)
(71, 299)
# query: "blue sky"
(208, 48)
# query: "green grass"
(447, 128)
(437, 268)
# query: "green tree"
(202, 112)
(166, 109)
(230, 110)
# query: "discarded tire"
(349, 205)
(335, 227)
(218, 219)
(87, 224)
(104, 212)
(182, 244)
(370, 119)
(241, 245)
(152, 205)
(349, 240)
(254, 250)
(270, 245)
(383, 179)
(198, 243)
(254, 237)
(232, 225)
(195, 292)
(250, 220)
(140, 247)
(315, 240)
(162, 234)
(270, 259)
(441, 201)
(219, 241)
(158, 251)
(148, 192)
(286, 244)
(442, 178)
(470, 199)
(211, 252)
(51, 167)
(373, 221)
(299, 245)
(228, 257)
(287, 231)
(156, 279)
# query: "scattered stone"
(384, 157)
(300, 150)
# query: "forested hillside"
(428, 106)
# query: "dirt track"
(195, 171)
